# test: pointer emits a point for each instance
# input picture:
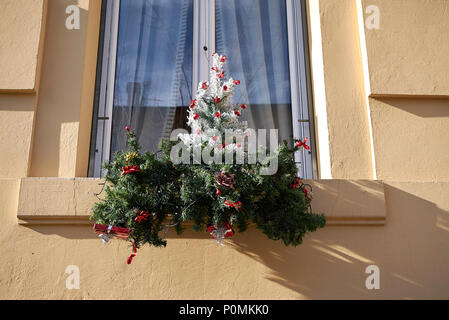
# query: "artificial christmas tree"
(148, 192)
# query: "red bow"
(296, 183)
(130, 169)
(303, 144)
(119, 232)
(143, 215)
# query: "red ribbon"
(133, 254)
(143, 215)
(303, 144)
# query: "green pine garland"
(146, 191)
(179, 193)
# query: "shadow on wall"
(422, 107)
(410, 250)
(411, 138)
(58, 110)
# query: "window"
(153, 53)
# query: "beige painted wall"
(20, 28)
(64, 113)
(407, 74)
(408, 54)
(16, 129)
(59, 105)
(349, 140)
(410, 251)
(411, 138)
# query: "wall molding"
(68, 201)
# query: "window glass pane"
(253, 35)
(153, 78)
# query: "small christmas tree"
(148, 193)
(211, 113)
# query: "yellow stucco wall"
(63, 118)
(20, 27)
(16, 130)
(410, 251)
(411, 138)
(408, 54)
(21, 49)
(347, 119)
(44, 131)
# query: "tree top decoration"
(146, 193)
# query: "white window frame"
(203, 46)
(302, 113)
(106, 95)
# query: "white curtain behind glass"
(153, 70)
(253, 35)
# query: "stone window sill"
(62, 201)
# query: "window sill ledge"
(68, 201)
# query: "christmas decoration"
(145, 190)
(130, 169)
(220, 232)
(225, 179)
(132, 255)
(118, 232)
(300, 143)
(130, 156)
(296, 183)
(106, 233)
(143, 215)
